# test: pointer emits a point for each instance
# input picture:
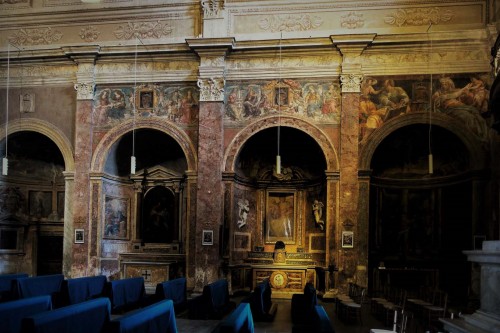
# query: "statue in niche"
(318, 213)
(244, 208)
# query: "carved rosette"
(85, 90)
(351, 82)
(212, 89)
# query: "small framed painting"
(207, 237)
(347, 239)
(79, 236)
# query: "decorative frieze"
(419, 16)
(298, 22)
(352, 20)
(211, 90)
(143, 30)
(35, 36)
(89, 33)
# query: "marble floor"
(283, 324)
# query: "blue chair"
(238, 321)
(8, 288)
(156, 318)
(126, 294)
(82, 289)
(12, 312)
(87, 317)
(176, 290)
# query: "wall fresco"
(319, 101)
(113, 105)
(463, 97)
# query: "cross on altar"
(146, 273)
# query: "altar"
(154, 267)
(285, 280)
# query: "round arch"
(314, 132)
(114, 134)
(47, 129)
(474, 146)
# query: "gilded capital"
(84, 90)
(211, 89)
(351, 82)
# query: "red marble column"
(209, 196)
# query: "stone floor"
(282, 322)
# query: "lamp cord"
(279, 95)
(7, 101)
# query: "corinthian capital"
(351, 82)
(212, 89)
(84, 90)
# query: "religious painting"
(40, 203)
(207, 237)
(145, 100)
(79, 236)
(347, 239)
(158, 219)
(242, 241)
(116, 217)
(281, 96)
(280, 217)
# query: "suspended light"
(5, 161)
(278, 157)
(132, 158)
(431, 109)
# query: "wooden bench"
(213, 303)
(175, 290)
(87, 317)
(12, 312)
(156, 318)
(238, 321)
(302, 305)
(77, 290)
(126, 294)
(263, 309)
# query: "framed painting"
(347, 239)
(242, 241)
(79, 236)
(116, 217)
(207, 237)
(280, 217)
(40, 203)
(146, 99)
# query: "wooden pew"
(82, 289)
(176, 290)
(213, 303)
(156, 318)
(8, 288)
(239, 321)
(302, 305)
(12, 312)
(263, 309)
(41, 285)
(126, 294)
(87, 317)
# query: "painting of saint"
(280, 217)
(115, 218)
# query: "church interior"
(332, 143)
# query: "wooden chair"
(437, 310)
(352, 310)
(400, 323)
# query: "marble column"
(210, 193)
(76, 261)
(352, 261)
(487, 318)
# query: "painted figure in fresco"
(232, 110)
(394, 99)
(313, 101)
(477, 95)
(103, 104)
(449, 100)
(251, 103)
(318, 213)
(331, 101)
(117, 107)
(186, 106)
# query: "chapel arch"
(236, 145)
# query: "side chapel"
(301, 142)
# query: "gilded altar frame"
(281, 212)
